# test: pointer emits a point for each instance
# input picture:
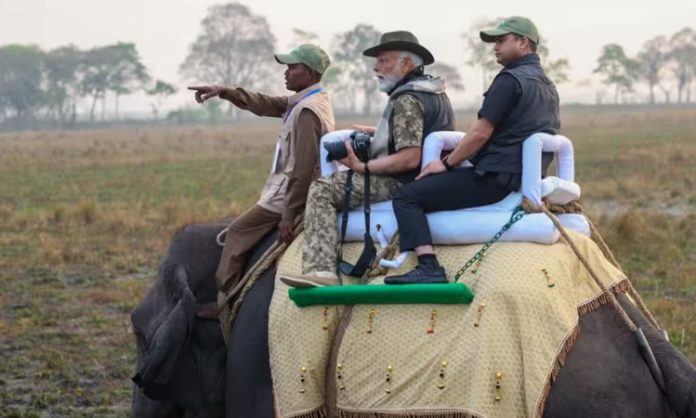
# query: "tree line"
(233, 48)
(667, 64)
(49, 84)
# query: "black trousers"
(457, 189)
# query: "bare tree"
(235, 48)
(449, 73)
(618, 69)
(683, 54)
(354, 75)
(159, 93)
(480, 53)
(20, 81)
(652, 61)
(127, 73)
(62, 74)
(115, 68)
(300, 37)
(556, 69)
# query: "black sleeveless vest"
(537, 110)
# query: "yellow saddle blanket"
(493, 358)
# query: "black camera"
(361, 145)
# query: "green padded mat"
(449, 293)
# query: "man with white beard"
(417, 106)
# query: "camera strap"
(369, 251)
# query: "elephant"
(195, 375)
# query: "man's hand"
(433, 167)
(285, 232)
(352, 161)
(370, 130)
(204, 93)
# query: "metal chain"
(517, 214)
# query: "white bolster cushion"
(468, 226)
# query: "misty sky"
(164, 29)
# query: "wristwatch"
(447, 165)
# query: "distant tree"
(354, 73)
(683, 54)
(62, 75)
(126, 72)
(618, 69)
(556, 70)
(95, 69)
(449, 73)
(159, 92)
(189, 114)
(20, 81)
(652, 61)
(213, 111)
(300, 37)
(235, 48)
(481, 54)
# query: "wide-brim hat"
(400, 41)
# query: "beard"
(387, 82)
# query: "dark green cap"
(517, 24)
(310, 55)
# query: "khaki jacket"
(307, 116)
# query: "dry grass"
(86, 216)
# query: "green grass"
(86, 217)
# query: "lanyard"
(313, 92)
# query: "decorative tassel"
(388, 378)
(433, 318)
(303, 371)
(498, 378)
(371, 319)
(339, 376)
(479, 312)
(549, 281)
(441, 384)
(325, 326)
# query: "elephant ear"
(680, 377)
(163, 322)
(679, 373)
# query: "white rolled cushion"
(469, 227)
(558, 191)
(439, 141)
(459, 227)
(531, 162)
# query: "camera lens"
(336, 150)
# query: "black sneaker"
(421, 274)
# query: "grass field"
(87, 215)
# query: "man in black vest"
(520, 101)
(417, 106)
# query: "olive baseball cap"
(310, 55)
(517, 24)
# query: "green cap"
(516, 24)
(310, 55)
